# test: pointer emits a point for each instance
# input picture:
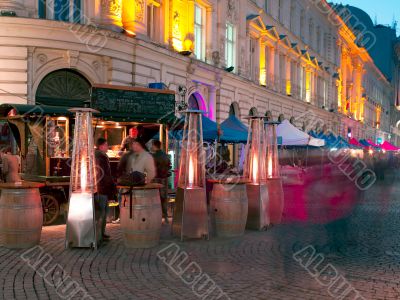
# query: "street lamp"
(255, 171)
(191, 217)
(81, 222)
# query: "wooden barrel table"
(21, 214)
(228, 207)
(141, 216)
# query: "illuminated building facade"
(285, 59)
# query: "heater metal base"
(81, 223)
(258, 213)
(191, 214)
(276, 199)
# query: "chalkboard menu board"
(133, 104)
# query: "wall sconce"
(81, 223)
(255, 171)
(274, 181)
(191, 216)
(230, 69)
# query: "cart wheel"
(51, 209)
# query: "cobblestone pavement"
(259, 265)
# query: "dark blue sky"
(384, 10)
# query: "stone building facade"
(296, 59)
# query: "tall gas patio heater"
(191, 215)
(255, 171)
(274, 181)
(81, 222)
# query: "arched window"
(281, 118)
(193, 103)
(253, 111)
(63, 87)
(234, 109)
(268, 116)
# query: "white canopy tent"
(291, 136)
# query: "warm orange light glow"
(83, 174)
(270, 166)
(191, 172)
(181, 24)
(263, 71)
(188, 45)
(255, 168)
(370, 152)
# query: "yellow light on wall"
(263, 71)
(188, 44)
(308, 86)
(288, 87)
(181, 24)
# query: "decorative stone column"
(111, 14)
(133, 16)
(13, 8)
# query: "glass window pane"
(61, 10)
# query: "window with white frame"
(199, 32)
(60, 10)
(153, 18)
(230, 45)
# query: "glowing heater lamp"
(81, 223)
(274, 181)
(255, 170)
(191, 216)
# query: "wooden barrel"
(229, 208)
(21, 215)
(276, 200)
(144, 228)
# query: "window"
(230, 45)
(266, 6)
(253, 44)
(60, 10)
(311, 33)
(302, 24)
(199, 36)
(152, 20)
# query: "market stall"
(43, 133)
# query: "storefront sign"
(133, 104)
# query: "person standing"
(137, 160)
(163, 167)
(141, 161)
(106, 188)
(126, 142)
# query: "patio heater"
(81, 222)
(255, 171)
(191, 217)
(274, 181)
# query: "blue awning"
(233, 131)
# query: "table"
(141, 216)
(21, 214)
(228, 206)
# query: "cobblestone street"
(260, 265)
